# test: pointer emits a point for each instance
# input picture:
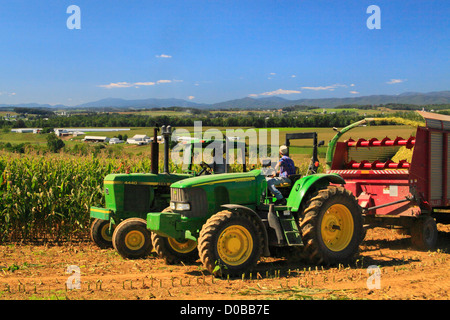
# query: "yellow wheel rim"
(182, 247)
(337, 227)
(235, 245)
(134, 240)
(105, 233)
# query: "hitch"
(407, 198)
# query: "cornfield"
(47, 197)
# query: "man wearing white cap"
(285, 167)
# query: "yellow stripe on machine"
(227, 180)
(136, 183)
(100, 210)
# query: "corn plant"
(47, 197)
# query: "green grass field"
(300, 150)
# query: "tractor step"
(289, 226)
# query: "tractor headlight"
(181, 206)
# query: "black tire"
(173, 251)
(131, 239)
(99, 233)
(331, 226)
(226, 231)
(424, 233)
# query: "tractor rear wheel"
(172, 250)
(424, 233)
(131, 239)
(332, 226)
(230, 243)
(100, 234)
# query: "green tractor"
(129, 197)
(230, 221)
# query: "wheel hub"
(182, 246)
(134, 240)
(337, 227)
(105, 233)
(235, 245)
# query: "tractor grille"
(137, 198)
(195, 196)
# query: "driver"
(284, 167)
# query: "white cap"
(283, 150)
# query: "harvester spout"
(332, 143)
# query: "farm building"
(96, 139)
(27, 130)
(139, 139)
(61, 132)
(115, 141)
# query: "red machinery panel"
(383, 185)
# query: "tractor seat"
(293, 178)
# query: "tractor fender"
(237, 207)
(308, 184)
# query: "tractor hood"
(204, 195)
(135, 193)
(161, 179)
(217, 179)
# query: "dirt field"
(34, 272)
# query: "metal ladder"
(288, 226)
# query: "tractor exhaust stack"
(155, 152)
(167, 133)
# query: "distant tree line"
(397, 106)
(252, 119)
(36, 111)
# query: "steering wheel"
(205, 168)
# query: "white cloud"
(164, 56)
(191, 97)
(293, 76)
(394, 81)
(354, 92)
(273, 93)
(117, 85)
(124, 84)
(7, 93)
(163, 81)
(272, 73)
(144, 83)
(352, 85)
(330, 88)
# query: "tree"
(54, 144)
(20, 124)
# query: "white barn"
(95, 139)
(139, 139)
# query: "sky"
(213, 51)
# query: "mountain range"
(414, 98)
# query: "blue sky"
(211, 51)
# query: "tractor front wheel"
(332, 226)
(131, 239)
(230, 243)
(174, 251)
(100, 233)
